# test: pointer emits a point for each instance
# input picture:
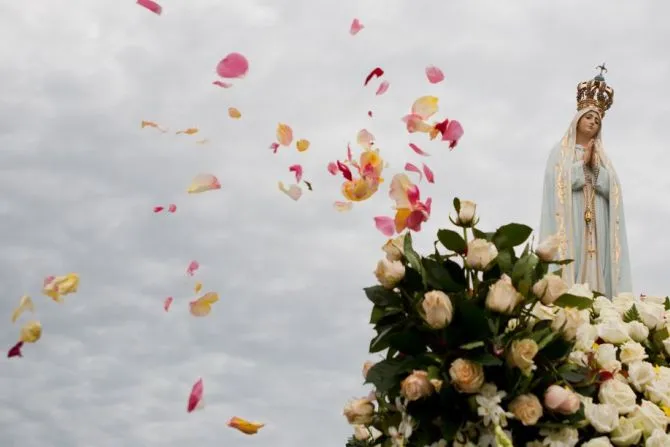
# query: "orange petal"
(302, 145)
(202, 183)
(400, 220)
(284, 134)
(234, 113)
(199, 309)
(425, 107)
(189, 131)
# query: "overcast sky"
(286, 342)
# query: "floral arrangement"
(484, 344)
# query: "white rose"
(578, 358)
(638, 331)
(480, 254)
(658, 391)
(632, 351)
(640, 374)
(395, 248)
(582, 290)
(625, 434)
(548, 248)
(567, 321)
(608, 313)
(651, 314)
(586, 336)
(623, 302)
(606, 357)
(619, 395)
(389, 273)
(540, 312)
(603, 417)
(550, 288)
(664, 373)
(613, 331)
(601, 441)
(648, 417)
(502, 296)
(466, 213)
(437, 308)
(600, 303)
(653, 299)
(658, 438)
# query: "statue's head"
(589, 124)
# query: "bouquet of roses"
(480, 346)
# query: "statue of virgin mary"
(582, 202)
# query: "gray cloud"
(285, 343)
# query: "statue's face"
(589, 124)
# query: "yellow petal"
(234, 113)
(343, 206)
(425, 107)
(284, 134)
(302, 145)
(30, 332)
(197, 287)
(209, 298)
(202, 183)
(199, 309)
(25, 304)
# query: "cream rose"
(550, 288)
(600, 441)
(437, 384)
(603, 417)
(613, 331)
(567, 321)
(521, 355)
(480, 254)
(437, 309)
(395, 248)
(466, 214)
(648, 417)
(548, 248)
(502, 297)
(638, 331)
(632, 351)
(658, 438)
(359, 411)
(416, 386)
(618, 394)
(389, 273)
(467, 376)
(625, 434)
(526, 408)
(561, 400)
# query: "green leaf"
(412, 256)
(511, 235)
(474, 319)
(482, 235)
(382, 339)
(407, 342)
(473, 345)
(457, 204)
(579, 302)
(452, 241)
(667, 303)
(524, 268)
(438, 277)
(382, 296)
(505, 261)
(573, 373)
(632, 315)
(486, 359)
(384, 316)
(384, 375)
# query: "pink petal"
(298, 172)
(375, 73)
(386, 225)
(346, 173)
(233, 66)
(382, 88)
(411, 168)
(222, 84)
(434, 74)
(192, 268)
(167, 302)
(343, 206)
(415, 219)
(196, 395)
(429, 204)
(151, 6)
(418, 150)
(430, 177)
(172, 208)
(413, 194)
(15, 351)
(356, 26)
(332, 168)
(349, 156)
(202, 183)
(274, 146)
(453, 133)
(370, 113)
(158, 209)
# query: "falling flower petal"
(202, 183)
(343, 206)
(293, 191)
(25, 304)
(195, 398)
(15, 351)
(55, 287)
(189, 131)
(197, 287)
(274, 146)
(166, 304)
(344, 169)
(411, 168)
(284, 134)
(192, 268)
(152, 124)
(451, 131)
(309, 185)
(302, 145)
(151, 6)
(203, 141)
(158, 209)
(298, 172)
(202, 306)
(356, 26)
(234, 113)
(222, 84)
(31, 332)
(416, 124)
(418, 150)
(246, 427)
(332, 168)
(172, 208)
(370, 113)
(434, 74)
(430, 177)
(425, 107)
(365, 139)
(382, 88)
(377, 72)
(385, 225)
(233, 66)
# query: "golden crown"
(595, 93)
